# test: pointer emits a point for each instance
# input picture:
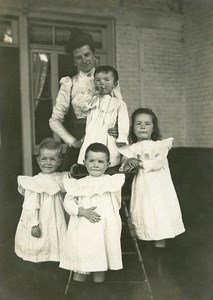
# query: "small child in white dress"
(105, 109)
(92, 242)
(154, 206)
(42, 224)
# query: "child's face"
(104, 82)
(48, 160)
(96, 163)
(143, 127)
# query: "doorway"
(10, 124)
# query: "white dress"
(106, 111)
(154, 206)
(41, 192)
(92, 247)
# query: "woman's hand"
(36, 231)
(77, 143)
(120, 144)
(89, 213)
(113, 132)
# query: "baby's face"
(48, 160)
(104, 82)
(96, 163)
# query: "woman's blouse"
(71, 89)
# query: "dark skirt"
(71, 155)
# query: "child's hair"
(107, 69)
(98, 147)
(50, 143)
(156, 135)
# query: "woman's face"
(84, 59)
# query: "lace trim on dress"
(40, 183)
(147, 149)
(89, 186)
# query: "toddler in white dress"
(92, 242)
(154, 206)
(42, 224)
(106, 109)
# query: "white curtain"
(40, 67)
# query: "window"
(58, 35)
(42, 99)
(49, 63)
(8, 31)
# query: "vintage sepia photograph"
(106, 147)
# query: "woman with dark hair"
(81, 49)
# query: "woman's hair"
(52, 144)
(107, 69)
(156, 135)
(78, 39)
(98, 147)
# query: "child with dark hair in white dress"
(154, 206)
(92, 243)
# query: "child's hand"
(89, 213)
(140, 162)
(36, 231)
(130, 164)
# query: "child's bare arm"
(89, 213)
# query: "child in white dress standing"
(92, 242)
(154, 206)
(105, 109)
(42, 224)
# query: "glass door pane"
(42, 99)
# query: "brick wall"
(127, 56)
(162, 79)
(151, 71)
(198, 60)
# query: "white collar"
(88, 74)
